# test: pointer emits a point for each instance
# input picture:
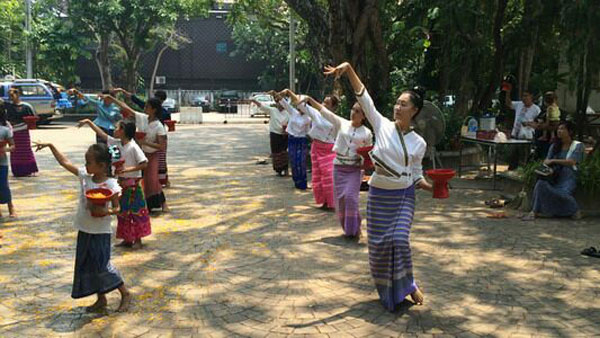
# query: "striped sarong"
(322, 157)
(22, 161)
(389, 219)
(152, 188)
(133, 221)
(163, 175)
(298, 149)
(346, 190)
(279, 144)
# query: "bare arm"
(94, 127)
(140, 166)
(346, 68)
(62, 159)
(125, 109)
(290, 94)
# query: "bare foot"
(13, 215)
(529, 217)
(417, 297)
(165, 209)
(98, 306)
(125, 301)
(137, 245)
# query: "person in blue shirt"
(108, 113)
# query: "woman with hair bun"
(397, 156)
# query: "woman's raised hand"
(39, 145)
(83, 122)
(337, 71)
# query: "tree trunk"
(498, 65)
(464, 89)
(156, 63)
(445, 68)
(103, 60)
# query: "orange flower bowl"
(99, 196)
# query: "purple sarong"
(22, 160)
(346, 190)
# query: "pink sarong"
(322, 157)
(346, 186)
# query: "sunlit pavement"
(243, 253)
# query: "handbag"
(545, 172)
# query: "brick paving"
(244, 254)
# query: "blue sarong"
(5, 196)
(298, 150)
(389, 219)
(93, 271)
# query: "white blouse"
(299, 124)
(348, 139)
(277, 119)
(320, 129)
(388, 153)
(152, 129)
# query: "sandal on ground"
(591, 251)
(497, 215)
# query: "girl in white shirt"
(94, 274)
(133, 221)
(297, 129)
(278, 120)
(397, 155)
(154, 140)
(347, 173)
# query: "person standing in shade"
(298, 127)
(108, 113)
(397, 156)
(347, 174)
(524, 125)
(278, 120)
(22, 160)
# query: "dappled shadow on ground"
(243, 253)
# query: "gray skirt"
(93, 271)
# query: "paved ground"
(244, 254)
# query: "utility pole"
(28, 52)
(292, 53)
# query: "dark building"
(204, 64)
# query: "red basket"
(364, 153)
(139, 135)
(31, 121)
(170, 124)
(440, 179)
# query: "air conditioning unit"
(161, 80)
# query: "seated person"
(554, 198)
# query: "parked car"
(264, 99)
(171, 105)
(39, 93)
(201, 101)
(228, 101)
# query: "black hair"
(106, 92)
(155, 103)
(335, 100)
(161, 95)
(101, 153)
(558, 142)
(2, 113)
(128, 128)
(417, 98)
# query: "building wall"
(204, 64)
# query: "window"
(221, 47)
(33, 90)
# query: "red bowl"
(139, 135)
(440, 179)
(107, 194)
(118, 163)
(364, 153)
(170, 124)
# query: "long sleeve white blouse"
(348, 139)
(299, 124)
(320, 128)
(388, 152)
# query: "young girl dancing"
(133, 221)
(93, 271)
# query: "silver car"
(40, 94)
